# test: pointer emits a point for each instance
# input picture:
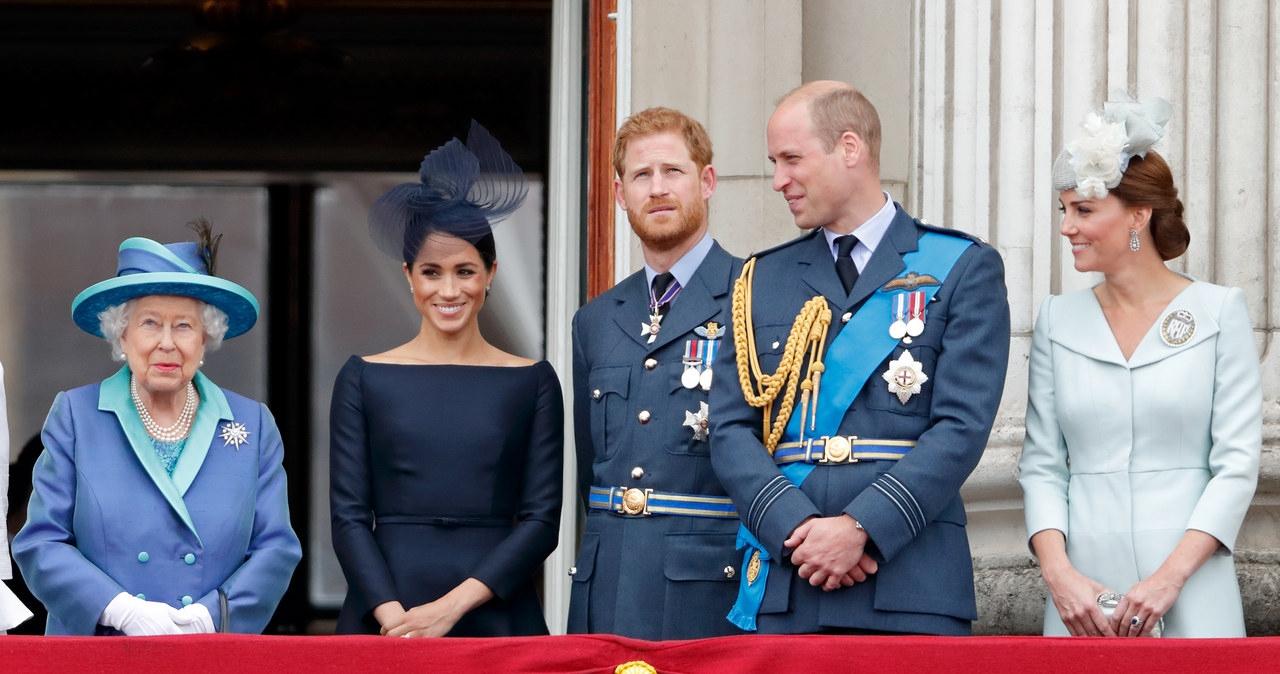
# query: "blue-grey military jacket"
(661, 576)
(911, 509)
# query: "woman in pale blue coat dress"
(1144, 422)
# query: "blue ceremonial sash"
(850, 360)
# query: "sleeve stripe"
(770, 493)
(893, 493)
(916, 509)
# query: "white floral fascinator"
(1095, 161)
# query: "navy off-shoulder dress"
(439, 473)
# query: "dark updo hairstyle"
(1149, 182)
(417, 230)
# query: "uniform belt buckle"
(839, 449)
(635, 501)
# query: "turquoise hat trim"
(149, 268)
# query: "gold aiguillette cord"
(808, 335)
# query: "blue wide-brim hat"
(149, 268)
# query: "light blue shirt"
(684, 268)
(869, 233)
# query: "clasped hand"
(140, 618)
(830, 552)
(433, 619)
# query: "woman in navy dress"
(446, 452)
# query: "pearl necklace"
(179, 428)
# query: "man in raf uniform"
(874, 350)
(657, 559)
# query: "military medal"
(704, 379)
(690, 377)
(694, 350)
(898, 307)
(1178, 328)
(915, 302)
(904, 377)
(655, 316)
(753, 567)
(698, 422)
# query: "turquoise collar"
(114, 397)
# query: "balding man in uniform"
(874, 349)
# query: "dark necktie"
(661, 284)
(845, 267)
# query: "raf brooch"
(1178, 328)
(904, 376)
(234, 434)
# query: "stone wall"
(975, 97)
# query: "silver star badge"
(905, 376)
(651, 328)
(698, 422)
(234, 434)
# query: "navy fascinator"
(463, 191)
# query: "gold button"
(845, 318)
(729, 572)
(643, 416)
(650, 363)
(596, 394)
(637, 473)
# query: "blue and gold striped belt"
(841, 449)
(643, 502)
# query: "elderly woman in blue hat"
(446, 452)
(159, 504)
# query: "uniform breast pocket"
(609, 388)
(687, 405)
(904, 383)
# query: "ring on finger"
(1135, 621)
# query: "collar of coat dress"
(114, 397)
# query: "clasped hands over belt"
(825, 450)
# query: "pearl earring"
(410, 290)
(201, 363)
(1134, 243)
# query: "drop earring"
(1134, 244)
(410, 290)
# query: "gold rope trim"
(808, 335)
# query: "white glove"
(194, 618)
(140, 618)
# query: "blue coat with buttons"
(662, 576)
(106, 518)
(911, 509)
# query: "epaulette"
(803, 237)
(923, 224)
